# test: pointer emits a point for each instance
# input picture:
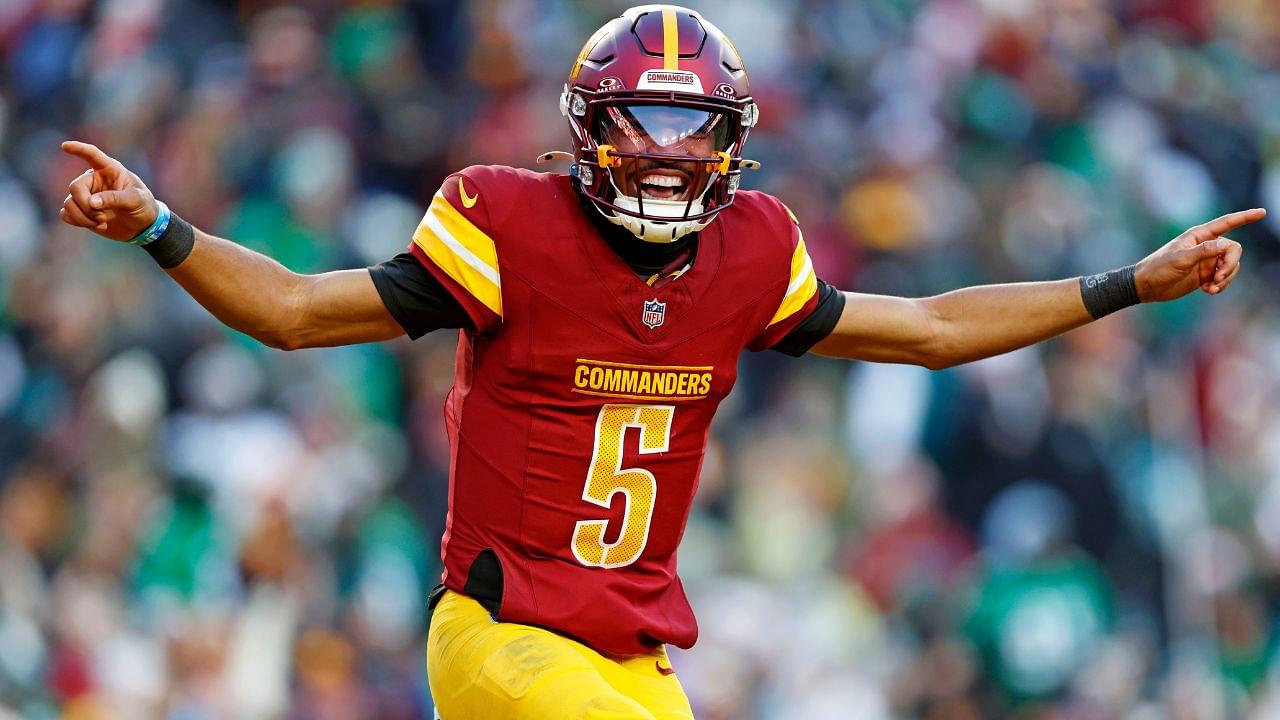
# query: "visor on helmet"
(664, 129)
(663, 152)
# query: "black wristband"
(172, 247)
(1110, 291)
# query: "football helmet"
(659, 109)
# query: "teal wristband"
(157, 228)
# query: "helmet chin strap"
(658, 231)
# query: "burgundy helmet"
(659, 110)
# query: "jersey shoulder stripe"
(803, 283)
(462, 250)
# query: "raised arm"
(978, 322)
(245, 290)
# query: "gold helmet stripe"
(670, 40)
(586, 48)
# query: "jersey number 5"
(606, 478)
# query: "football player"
(602, 313)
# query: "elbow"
(287, 329)
(937, 359)
(950, 361)
(935, 350)
(944, 355)
(280, 340)
(934, 362)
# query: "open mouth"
(663, 185)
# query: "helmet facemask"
(667, 167)
(659, 110)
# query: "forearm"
(979, 322)
(258, 296)
(955, 327)
(244, 289)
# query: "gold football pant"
(481, 669)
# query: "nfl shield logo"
(654, 313)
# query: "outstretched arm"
(245, 290)
(978, 322)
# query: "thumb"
(128, 200)
(1206, 250)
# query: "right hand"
(107, 198)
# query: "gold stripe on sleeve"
(804, 283)
(462, 251)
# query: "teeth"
(662, 180)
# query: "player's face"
(664, 130)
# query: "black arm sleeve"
(815, 327)
(415, 298)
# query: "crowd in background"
(193, 526)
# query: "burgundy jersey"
(580, 410)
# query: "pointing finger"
(1225, 224)
(90, 153)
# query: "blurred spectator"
(193, 526)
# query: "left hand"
(107, 198)
(1198, 258)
